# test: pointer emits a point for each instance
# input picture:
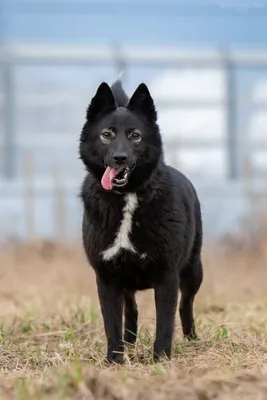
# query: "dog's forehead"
(121, 116)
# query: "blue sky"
(157, 22)
(200, 23)
(148, 22)
(231, 22)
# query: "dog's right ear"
(102, 101)
(142, 102)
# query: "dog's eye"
(107, 134)
(136, 135)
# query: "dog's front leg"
(166, 297)
(111, 300)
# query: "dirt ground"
(53, 344)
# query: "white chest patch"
(122, 240)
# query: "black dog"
(142, 224)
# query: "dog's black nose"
(120, 158)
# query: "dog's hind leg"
(131, 317)
(190, 281)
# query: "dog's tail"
(119, 94)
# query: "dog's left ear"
(142, 102)
(102, 101)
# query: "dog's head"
(121, 144)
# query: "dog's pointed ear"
(142, 102)
(102, 101)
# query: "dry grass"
(52, 343)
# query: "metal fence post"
(233, 149)
(8, 156)
(119, 62)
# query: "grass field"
(53, 344)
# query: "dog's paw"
(115, 359)
(161, 356)
(191, 336)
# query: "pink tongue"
(108, 177)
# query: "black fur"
(166, 226)
(120, 96)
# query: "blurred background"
(205, 63)
(206, 66)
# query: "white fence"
(43, 95)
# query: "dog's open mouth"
(115, 177)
